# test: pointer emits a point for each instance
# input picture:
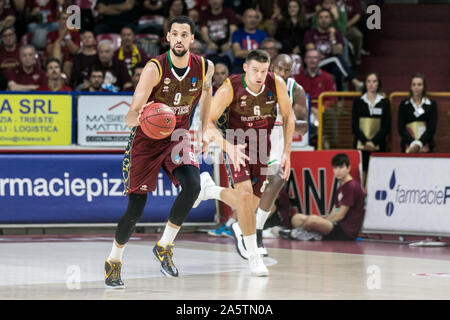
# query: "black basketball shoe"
(112, 275)
(164, 256)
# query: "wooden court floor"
(71, 268)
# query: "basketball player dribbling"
(178, 79)
(252, 100)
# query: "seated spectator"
(54, 80)
(330, 44)
(137, 71)
(42, 17)
(174, 8)
(9, 50)
(95, 80)
(84, 61)
(347, 216)
(292, 27)
(221, 73)
(371, 119)
(197, 47)
(217, 26)
(246, 39)
(151, 20)
(238, 6)
(116, 73)
(114, 15)
(353, 34)
(269, 14)
(315, 81)
(63, 44)
(339, 16)
(27, 76)
(7, 16)
(272, 47)
(128, 52)
(417, 118)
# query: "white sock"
(116, 252)
(214, 192)
(168, 236)
(250, 244)
(230, 222)
(261, 218)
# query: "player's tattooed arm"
(205, 107)
(207, 84)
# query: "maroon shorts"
(144, 157)
(255, 172)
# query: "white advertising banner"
(101, 120)
(408, 195)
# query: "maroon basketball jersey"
(179, 93)
(248, 109)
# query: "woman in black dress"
(417, 118)
(371, 120)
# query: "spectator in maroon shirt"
(63, 44)
(54, 80)
(347, 216)
(95, 80)
(7, 16)
(9, 51)
(116, 73)
(330, 44)
(84, 61)
(128, 52)
(42, 15)
(315, 81)
(217, 26)
(27, 76)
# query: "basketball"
(157, 120)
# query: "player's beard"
(180, 54)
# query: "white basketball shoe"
(205, 182)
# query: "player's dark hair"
(258, 55)
(325, 10)
(339, 160)
(182, 20)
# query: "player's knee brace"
(135, 209)
(189, 178)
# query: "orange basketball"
(157, 120)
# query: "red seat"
(150, 43)
(153, 20)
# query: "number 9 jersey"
(144, 157)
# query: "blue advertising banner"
(80, 188)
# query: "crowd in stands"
(119, 34)
(116, 38)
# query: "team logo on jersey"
(243, 97)
(194, 82)
(165, 89)
(166, 81)
(270, 96)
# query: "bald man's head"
(282, 66)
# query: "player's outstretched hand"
(286, 165)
